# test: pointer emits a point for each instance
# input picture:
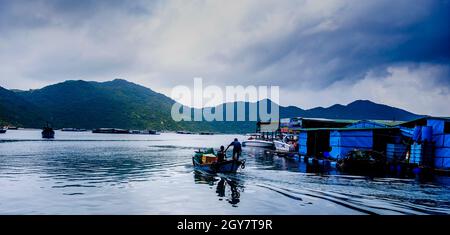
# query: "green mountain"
(359, 109)
(122, 104)
(117, 103)
(14, 110)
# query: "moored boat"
(258, 144)
(147, 132)
(153, 132)
(48, 132)
(2, 131)
(185, 133)
(110, 131)
(281, 146)
(73, 129)
(206, 161)
(256, 141)
(206, 133)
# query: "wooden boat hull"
(230, 166)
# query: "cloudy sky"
(318, 52)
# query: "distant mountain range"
(122, 104)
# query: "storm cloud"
(318, 52)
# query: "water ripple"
(94, 174)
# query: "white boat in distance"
(256, 141)
(281, 146)
(258, 144)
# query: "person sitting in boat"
(295, 144)
(237, 149)
(221, 154)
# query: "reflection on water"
(229, 189)
(85, 173)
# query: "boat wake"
(365, 204)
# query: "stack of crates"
(208, 158)
(421, 154)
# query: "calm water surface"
(85, 173)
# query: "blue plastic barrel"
(427, 132)
(392, 168)
(417, 133)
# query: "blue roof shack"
(343, 141)
(425, 141)
(314, 133)
(338, 141)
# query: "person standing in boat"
(237, 149)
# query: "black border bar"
(235, 224)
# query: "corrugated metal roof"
(425, 118)
(347, 129)
(329, 120)
(382, 122)
(351, 121)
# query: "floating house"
(338, 137)
(339, 141)
(371, 138)
(425, 141)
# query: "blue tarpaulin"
(442, 150)
(437, 125)
(342, 142)
(441, 143)
(302, 143)
(417, 133)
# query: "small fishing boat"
(206, 161)
(2, 131)
(48, 132)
